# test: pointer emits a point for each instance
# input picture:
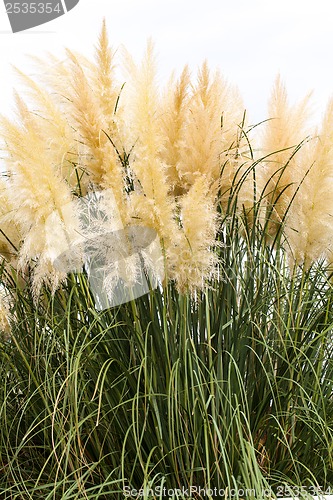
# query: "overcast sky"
(249, 40)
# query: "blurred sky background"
(249, 40)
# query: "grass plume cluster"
(221, 377)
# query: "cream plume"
(37, 191)
(214, 113)
(285, 131)
(310, 221)
(151, 201)
(194, 256)
(101, 159)
(10, 237)
(175, 109)
(53, 124)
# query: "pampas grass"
(309, 228)
(10, 237)
(220, 373)
(211, 98)
(82, 129)
(37, 191)
(173, 123)
(285, 130)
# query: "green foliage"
(228, 388)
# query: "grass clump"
(217, 382)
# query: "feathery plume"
(10, 237)
(175, 107)
(194, 257)
(205, 138)
(52, 121)
(151, 202)
(186, 227)
(102, 162)
(37, 191)
(285, 131)
(105, 86)
(310, 221)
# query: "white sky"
(249, 40)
